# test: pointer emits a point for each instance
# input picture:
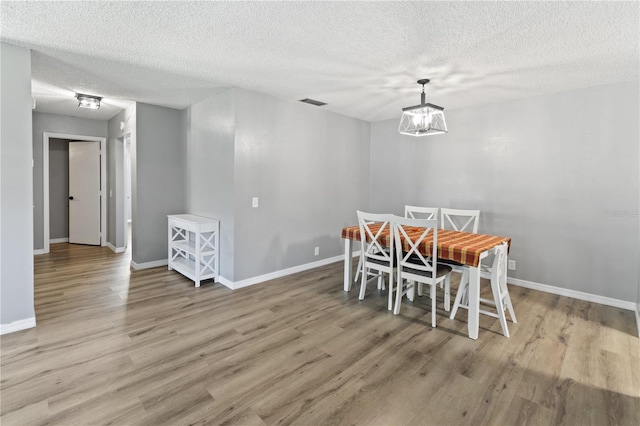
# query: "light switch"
(254, 202)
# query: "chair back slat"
(412, 234)
(451, 219)
(415, 212)
(373, 240)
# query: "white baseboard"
(116, 249)
(574, 294)
(18, 325)
(234, 285)
(638, 318)
(149, 265)
(59, 240)
(225, 282)
(36, 252)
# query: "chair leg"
(462, 290)
(359, 266)
(363, 282)
(465, 279)
(419, 289)
(399, 291)
(390, 302)
(433, 305)
(507, 300)
(381, 285)
(447, 293)
(497, 298)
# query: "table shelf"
(189, 247)
(193, 246)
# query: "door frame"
(127, 140)
(45, 182)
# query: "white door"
(84, 193)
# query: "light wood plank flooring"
(114, 346)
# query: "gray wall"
(157, 179)
(16, 189)
(115, 166)
(558, 174)
(58, 188)
(209, 167)
(309, 168)
(53, 123)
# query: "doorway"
(45, 177)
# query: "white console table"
(193, 246)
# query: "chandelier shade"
(424, 119)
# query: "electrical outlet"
(316, 252)
(254, 202)
(512, 265)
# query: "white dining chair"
(360, 258)
(416, 212)
(501, 299)
(463, 221)
(376, 255)
(414, 266)
(460, 220)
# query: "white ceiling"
(362, 58)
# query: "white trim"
(45, 191)
(45, 182)
(116, 249)
(278, 274)
(37, 252)
(126, 179)
(59, 240)
(225, 282)
(18, 325)
(638, 317)
(149, 265)
(574, 294)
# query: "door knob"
(71, 198)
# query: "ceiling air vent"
(312, 102)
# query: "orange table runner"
(462, 247)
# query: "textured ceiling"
(362, 58)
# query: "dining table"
(465, 248)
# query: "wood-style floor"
(114, 346)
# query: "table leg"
(474, 301)
(348, 263)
